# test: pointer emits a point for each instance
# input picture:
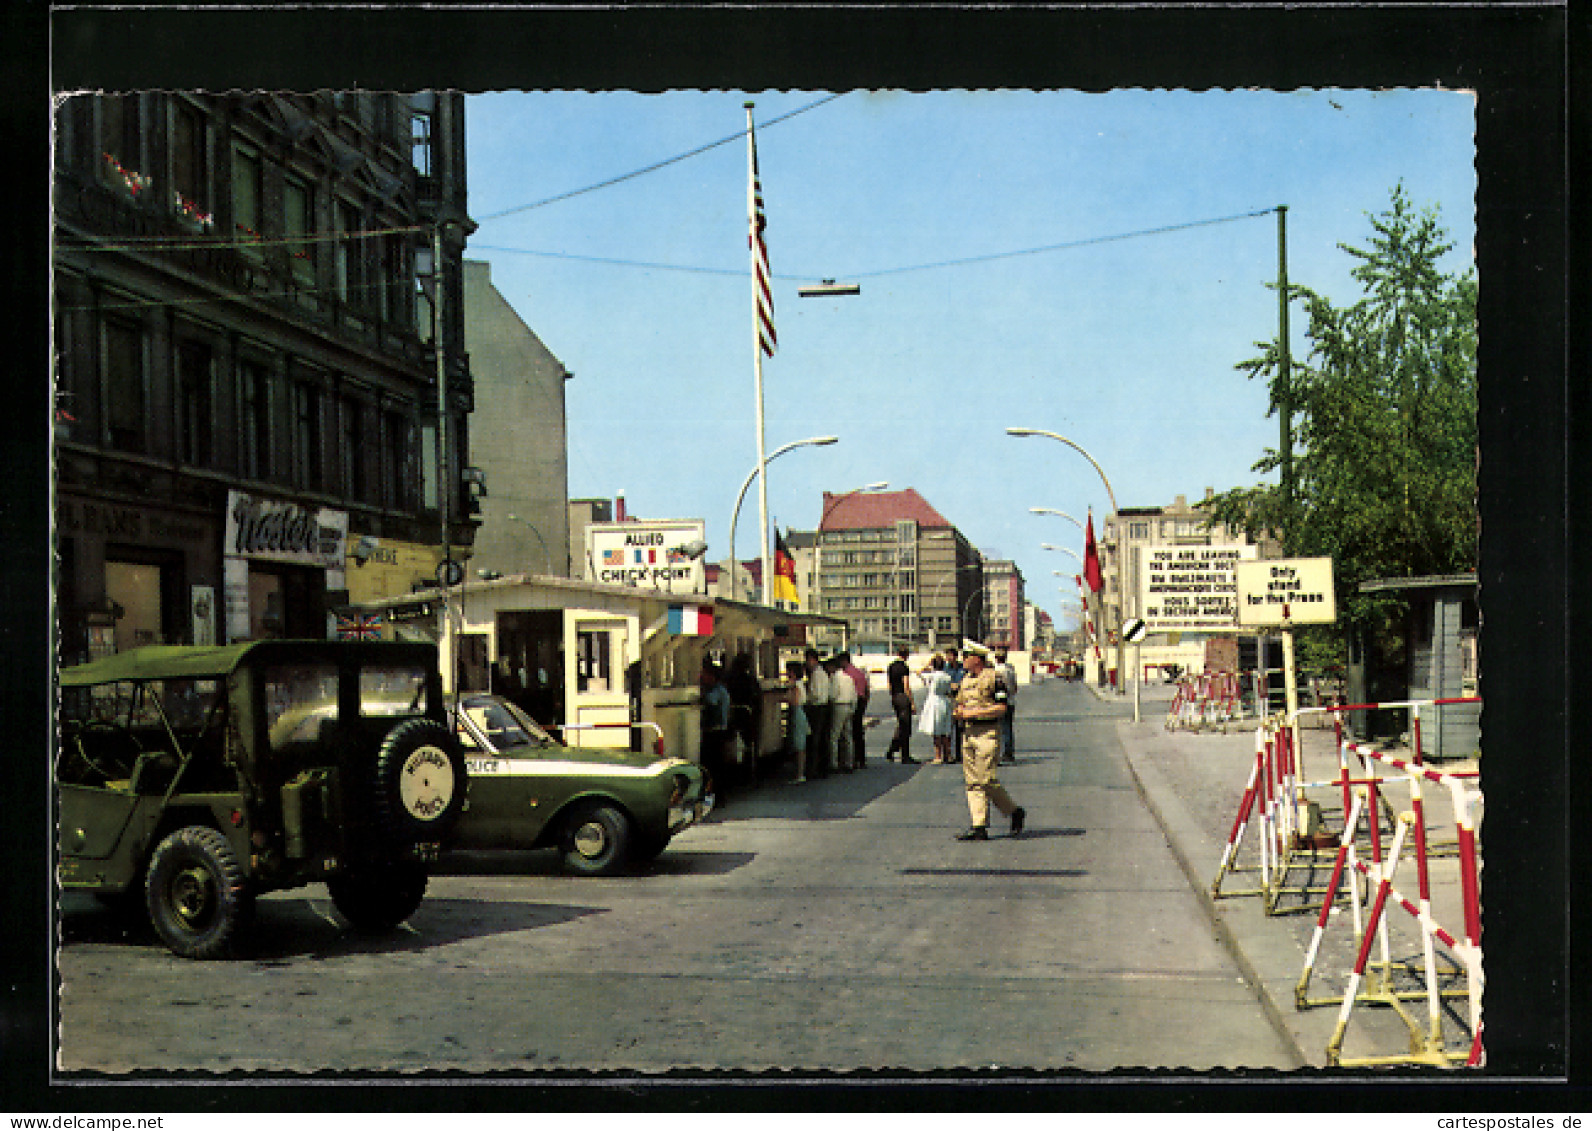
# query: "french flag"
(691, 620)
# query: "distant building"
(1131, 529)
(1003, 605)
(897, 572)
(518, 436)
(582, 514)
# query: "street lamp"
(1053, 510)
(811, 441)
(1061, 550)
(547, 557)
(1112, 495)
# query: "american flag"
(613, 557)
(761, 281)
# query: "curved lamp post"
(1112, 495)
(1061, 550)
(1054, 511)
(810, 442)
(547, 556)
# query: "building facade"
(518, 437)
(245, 359)
(897, 572)
(1003, 604)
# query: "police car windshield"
(504, 724)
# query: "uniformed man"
(980, 705)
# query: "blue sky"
(1127, 346)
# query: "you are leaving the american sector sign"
(1190, 588)
(1282, 591)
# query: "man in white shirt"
(844, 702)
(820, 695)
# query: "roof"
(873, 510)
(1436, 581)
(174, 661)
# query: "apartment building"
(246, 360)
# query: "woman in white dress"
(935, 718)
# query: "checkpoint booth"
(589, 660)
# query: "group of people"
(826, 698)
(967, 713)
(943, 676)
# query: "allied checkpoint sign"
(1191, 588)
(1285, 591)
(646, 555)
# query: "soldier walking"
(980, 705)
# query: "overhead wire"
(655, 166)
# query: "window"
(195, 423)
(593, 661)
(307, 440)
(119, 141)
(424, 289)
(421, 112)
(255, 396)
(298, 221)
(354, 479)
(399, 438)
(246, 198)
(190, 166)
(908, 603)
(124, 385)
(349, 269)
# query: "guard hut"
(1440, 636)
(589, 659)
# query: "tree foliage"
(1385, 420)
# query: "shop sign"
(647, 555)
(279, 531)
(1283, 591)
(1190, 588)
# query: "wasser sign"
(646, 555)
(1190, 588)
(1286, 591)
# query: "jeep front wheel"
(196, 893)
(378, 899)
(597, 841)
(420, 781)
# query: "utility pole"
(1283, 396)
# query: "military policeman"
(980, 705)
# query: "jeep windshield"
(502, 724)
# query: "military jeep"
(191, 779)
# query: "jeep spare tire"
(420, 781)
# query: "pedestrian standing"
(715, 725)
(899, 677)
(796, 729)
(980, 703)
(954, 669)
(819, 695)
(843, 701)
(935, 720)
(746, 711)
(859, 677)
(1008, 676)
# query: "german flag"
(784, 572)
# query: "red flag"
(761, 281)
(1091, 558)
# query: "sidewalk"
(1194, 782)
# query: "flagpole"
(759, 282)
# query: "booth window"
(593, 661)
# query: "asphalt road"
(830, 926)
